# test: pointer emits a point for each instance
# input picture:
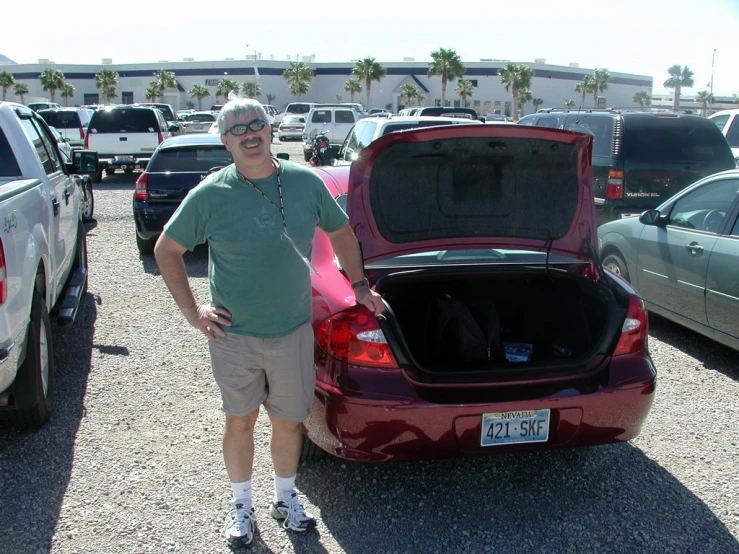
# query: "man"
(258, 216)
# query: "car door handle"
(694, 247)
(67, 194)
(55, 206)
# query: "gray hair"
(239, 109)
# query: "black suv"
(639, 158)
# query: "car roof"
(199, 139)
(725, 112)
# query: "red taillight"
(160, 137)
(615, 184)
(354, 336)
(141, 190)
(635, 329)
(87, 140)
(82, 134)
(3, 275)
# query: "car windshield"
(475, 256)
(124, 121)
(195, 158)
(61, 120)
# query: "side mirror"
(173, 128)
(282, 156)
(331, 153)
(85, 161)
(650, 217)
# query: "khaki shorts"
(279, 373)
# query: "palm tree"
(6, 81)
(106, 81)
(67, 93)
(51, 81)
(537, 102)
(679, 77)
(198, 92)
(524, 96)
(369, 70)
(270, 98)
(569, 103)
(225, 87)
(600, 83)
(352, 86)
(410, 93)
(705, 98)
(190, 104)
(165, 79)
(251, 89)
(517, 79)
(584, 87)
(464, 90)
(643, 98)
(20, 89)
(298, 77)
(338, 97)
(448, 65)
(153, 91)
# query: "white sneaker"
(239, 524)
(292, 514)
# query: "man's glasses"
(240, 129)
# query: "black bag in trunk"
(454, 335)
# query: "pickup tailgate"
(124, 144)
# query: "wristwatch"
(364, 283)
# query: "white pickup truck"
(43, 259)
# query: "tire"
(88, 203)
(81, 255)
(109, 171)
(307, 154)
(145, 246)
(310, 451)
(617, 265)
(36, 375)
(97, 177)
(128, 171)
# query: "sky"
(643, 37)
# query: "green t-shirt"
(254, 273)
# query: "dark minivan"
(641, 159)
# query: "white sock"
(242, 493)
(284, 487)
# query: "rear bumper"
(151, 219)
(377, 428)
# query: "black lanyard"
(281, 207)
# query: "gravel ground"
(131, 461)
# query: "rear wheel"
(109, 171)
(97, 177)
(128, 171)
(307, 154)
(617, 265)
(310, 451)
(88, 203)
(145, 246)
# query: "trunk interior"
(500, 322)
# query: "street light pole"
(713, 59)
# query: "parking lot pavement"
(131, 461)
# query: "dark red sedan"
(503, 332)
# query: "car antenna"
(550, 243)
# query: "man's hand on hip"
(208, 319)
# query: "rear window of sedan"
(293, 120)
(200, 117)
(189, 159)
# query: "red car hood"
(477, 186)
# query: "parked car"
(125, 137)
(275, 113)
(683, 256)
(495, 117)
(641, 159)
(298, 108)
(36, 106)
(502, 332)
(380, 112)
(168, 111)
(291, 127)
(447, 110)
(62, 143)
(197, 122)
(71, 123)
(177, 165)
(728, 122)
(370, 129)
(334, 122)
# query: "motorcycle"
(319, 145)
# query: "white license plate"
(514, 427)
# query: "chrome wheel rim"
(44, 358)
(615, 268)
(87, 204)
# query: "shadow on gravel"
(712, 355)
(196, 262)
(35, 466)
(600, 499)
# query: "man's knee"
(241, 424)
(284, 426)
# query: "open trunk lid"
(475, 186)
